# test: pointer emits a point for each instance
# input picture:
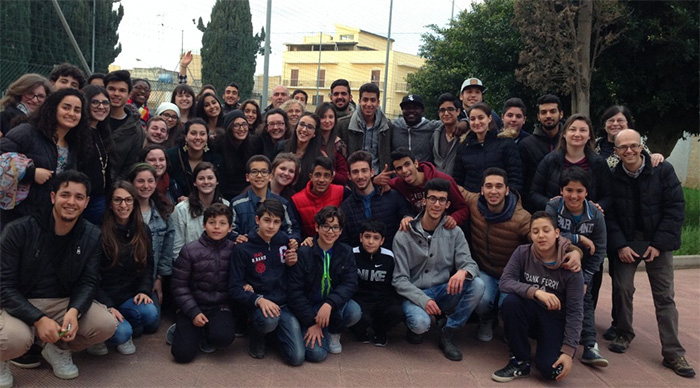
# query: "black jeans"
(219, 332)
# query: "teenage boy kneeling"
(321, 286)
(204, 318)
(259, 281)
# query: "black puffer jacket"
(659, 211)
(28, 246)
(305, 281)
(201, 274)
(124, 280)
(546, 182)
(474, 157)
(25, 139)
(532, 150)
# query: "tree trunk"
(581, 94)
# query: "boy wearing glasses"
(425, 257)
(321, 286)
(258, 170)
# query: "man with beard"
(544, 139)
(50, 271)
(368, 201)
(341, 98)
(412, 130)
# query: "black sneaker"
(513, 370)
(619, 344)
(591, 356)
(414, 338)
(256, 344)
(29, 360)
(380, 339)
(680, 366)
(611, 333)
(362, 337)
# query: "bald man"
(645, 224)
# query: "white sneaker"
(61, 361)
(170, 334)
(98, 349)
(334, 345)
(6, 379)
(127, 347)
(484, 333)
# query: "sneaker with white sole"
(485, 331)
(61, 361)
(591, 356)
(6, 379)
(98, 349)
(512, 371)
(334, 345)
(170, 334)
(127, 347)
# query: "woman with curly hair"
(57, 138)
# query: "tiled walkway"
(400, 364)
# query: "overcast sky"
(152, 32)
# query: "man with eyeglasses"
(446, 139)
(426, 256)
(645, 224)
(48, 279)
(244, 206)
(412, 130)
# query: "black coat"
(389, 207)
(532, 150)
(41, 149)
(305, 281)
(124, 280)
(546, 182)
(660, 212)
(201, 274)
(474, 157)
(27, 245)
(180, 171)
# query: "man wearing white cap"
(472, 91)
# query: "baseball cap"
(412, 98)
(472, 82)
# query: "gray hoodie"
(423, 261)
(416, 138)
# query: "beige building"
(353, 54)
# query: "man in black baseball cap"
(412, 130)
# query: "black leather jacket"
(26, 246)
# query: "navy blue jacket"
(262, 265)
(474, 157)
(244, 207)
(305, 280)
(389, 207)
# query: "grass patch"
(690, 237)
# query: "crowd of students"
(305, 224)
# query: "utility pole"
(318, 70)
(386, 65)
(266, 72)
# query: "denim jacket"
(162, 235)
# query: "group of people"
(307, 224)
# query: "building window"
(375, 76)
(322, 78)
(317, 100)
(346, 37)
(294, 78)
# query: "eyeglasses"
(433, 199)
(328, 228)
(240, 125)
(613, 121)
(127, 200)
(276, 124)
(259, 173)
(624, 148)
(97, 103)
(38, 97)
(141, 87)
(169, 116)
(450, 109)
(307, 127)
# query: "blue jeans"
(137, 319)
(341, 318)
(95, 209)
(288, 332)
(457, 307)
(488, 306)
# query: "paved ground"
(400, 364)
